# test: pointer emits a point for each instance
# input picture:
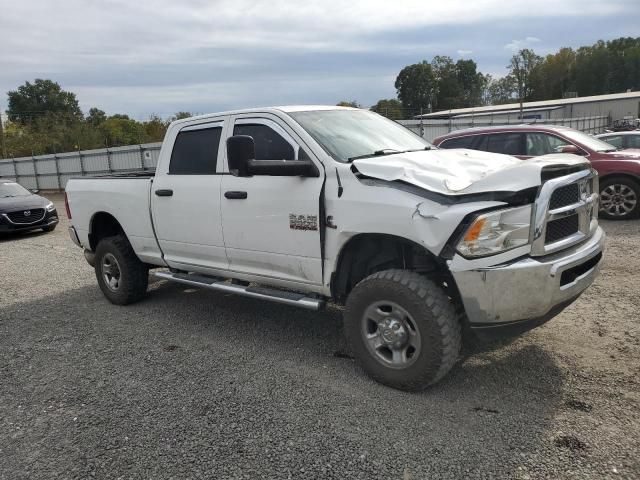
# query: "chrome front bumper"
(529, 288)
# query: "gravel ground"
(195, 384)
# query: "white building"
(616, 106)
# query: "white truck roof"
(283, 108)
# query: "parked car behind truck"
(309, 205)
(619, 170)
(24, 211)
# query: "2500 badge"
(303, 222)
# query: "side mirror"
(240, 149)
(570, 149)
(241, 154)
(283, 168)
(34, 190)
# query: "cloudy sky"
(142, 56)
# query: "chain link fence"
(430, 129)
(51, 172)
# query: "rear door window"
(480, 143)
(457, 142)
(633, 141)
(507, 143)
(544, 144)
(615, 140)
(195, 151)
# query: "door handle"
(164, 193)
(235, 195)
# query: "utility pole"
(3, 147)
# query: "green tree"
(119, 130)
(182, 115)
(155, 128)
(42, 97)
(96, 117)
(347, 103)
(448, 91)
(416, 87)
(390, 108)
(553, 77)
(501, 90)
(471, 83)
(521, 68)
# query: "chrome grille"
(565, 212)
(561, 228)
(563, 196)
(26, 217)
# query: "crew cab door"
(185, 199)
(272, 223)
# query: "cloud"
(517, 45)
(152, 56)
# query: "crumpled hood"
(462, 171)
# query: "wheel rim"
(111, 272)
(618, 200)
(390, 334)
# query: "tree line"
(44, 118)
(442, 84)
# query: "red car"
(619, 170)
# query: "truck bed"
(124, 196)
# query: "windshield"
(588, 141)
(348, 134)
(13, 190)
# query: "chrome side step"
(264, 293)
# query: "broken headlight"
(496, 232)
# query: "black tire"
(619, 198)
(132, 274)
(429, 311)
(49, 229)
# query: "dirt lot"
(194, 384)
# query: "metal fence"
(431, 129)
(51, 172)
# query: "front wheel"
(619, 198)
(122, 277)
(403, 329)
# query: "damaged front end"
(529, 243)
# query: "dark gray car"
(22, 210)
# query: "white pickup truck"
(308, 205)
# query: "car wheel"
(619, 198)
(403, 329)
(122, 277)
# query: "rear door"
(271, 223)
(185, 200)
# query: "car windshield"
(350, 134)
(13, 190)
(588, 141)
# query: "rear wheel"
(403, 329)
(619, 198)
(122, 277)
